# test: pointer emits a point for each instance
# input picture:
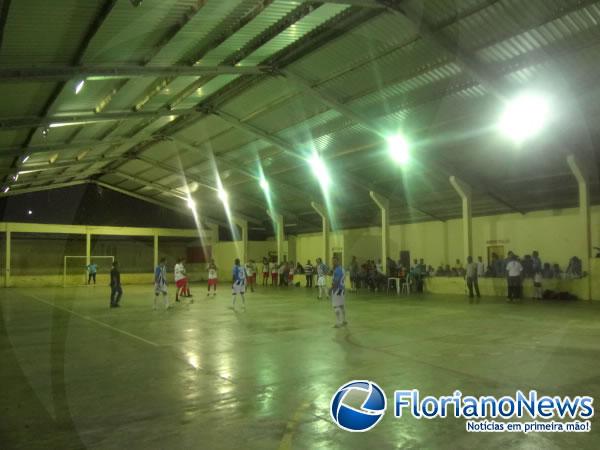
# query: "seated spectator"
(556, 272)
(547, 271)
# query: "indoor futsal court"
(297, 224)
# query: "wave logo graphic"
(358, 406)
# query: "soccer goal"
(75, 271)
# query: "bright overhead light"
(30, 212)
(26, 158)
(6, 189)
(191, 203)
(222, 194)
(398, 149)
(79, 86)
(15, 177)
(320, 170)
(525, 116)
(264, 184)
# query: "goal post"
(75, 269)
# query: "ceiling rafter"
(54, 73)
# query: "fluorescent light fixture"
(25, 159)
(525, 116)
(6, 189)
(398, 149)
(15, 177)
(222, 194)
(79, 87)
(30, 212)
(264, 184)
(191, 203)
(320, 170)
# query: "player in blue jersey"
(160, 283)
(338, 298)
(239, 283)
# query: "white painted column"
(580, 174)
(384, 206)
(465, 193)
(325, 222)
(88, 248)
(278, 220)
(155, 250)
(7, 265)
(243, 224)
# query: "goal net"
(76, 272)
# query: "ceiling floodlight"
(398, 149)
(320, 170)
(79, 86)
(525, 116)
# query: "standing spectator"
(354, 274)
(265, 271)
(537, 285)
(471, 277)
(308, 271)
(514, 270)
(480, 267)
(116, 291)
(536, 262)
(274, 273)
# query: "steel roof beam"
(52, 73)
(85, 118)
(4, 9)
(47, 187)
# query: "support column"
(580, 174)
(243, 224)
(464, 190)
(325, 221)
(155, 249)
(384, 205)
(278, 220)
(88, 248)
(7, 265)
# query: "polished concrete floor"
(76, 374)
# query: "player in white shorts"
(160, 283)
(239, 283)
(322, 270)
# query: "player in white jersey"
(160, 283)
(239, 283)
(181, 280)
(212, 278)
(251, 274)
(322, 271)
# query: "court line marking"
(91, 319)
(290, 427)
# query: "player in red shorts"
(212, 278)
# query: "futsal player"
(180, 279)
(116, 291)
(160, 283)
(212, 278)
(239, 283)
(321, 280)
(338, 294)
